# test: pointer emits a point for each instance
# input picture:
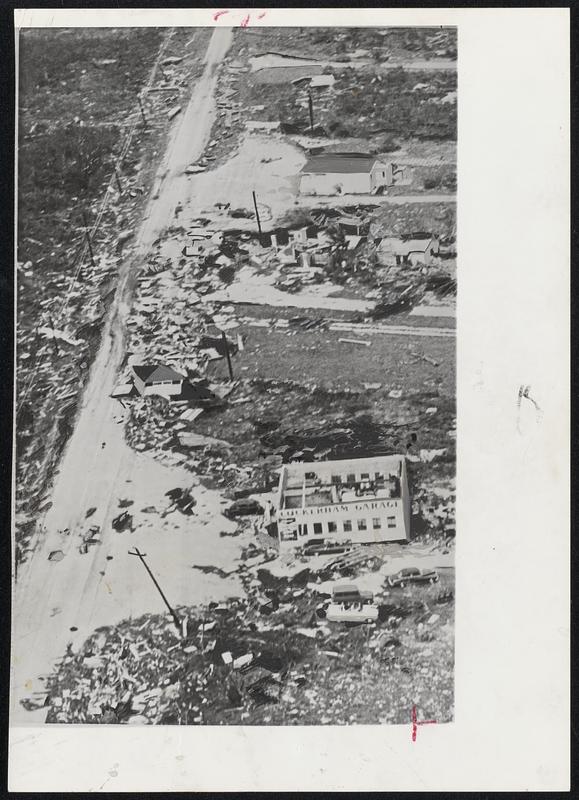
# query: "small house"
(352, 226)
(393, 251)
(157, 379)
(344, 173)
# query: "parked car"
(413, 575)
(355, 612)
(349, 593)
(322, 547)
(243, 507)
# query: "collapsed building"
(357, 500)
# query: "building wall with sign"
(361, 500)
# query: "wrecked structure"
(407, 250)
(360, 500)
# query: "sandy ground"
(275, 183)
(51, 597)
(251, 287)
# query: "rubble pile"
(270, 658)
(67, 280)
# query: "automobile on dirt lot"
(413, 575)
(322, 547)
(349, 593)
(354, 612)
(247, 506)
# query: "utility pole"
(311, 108)
(88, 241)
(142, 110)
(172, 611)
(54, 342)
(226, 343)
(119, 185)
(257, 213)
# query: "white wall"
(326, 183)
(164, 389)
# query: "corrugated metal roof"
(339, 162)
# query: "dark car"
(320, 547)
(413, 575)
(245, 507)
(343, 593)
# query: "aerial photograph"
(235, 403)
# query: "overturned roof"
(339, 162)
(154, 373)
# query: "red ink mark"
(219, 14)
(245, 22)
(415, 723)
(261, 16)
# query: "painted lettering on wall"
(340, 508)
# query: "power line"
(78, 262)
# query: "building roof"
(354, 222)
(402, 247)
(154, 373)
(389, 462)
(339, 162)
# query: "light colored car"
(355, 612)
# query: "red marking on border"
(219, 14)
(261, 16)
(415, 723)
(245, 22)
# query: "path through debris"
(90, 474)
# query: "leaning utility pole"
(226, 344)
(142, 110)
(88, 241)
(119, 185)
(256, 213)
(172, 611)
(311, 108)
(54, 342)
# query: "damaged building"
(359, 500)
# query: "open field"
(323, 359)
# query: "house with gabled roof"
(344, 173)
(157, 379)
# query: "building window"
(351, 478)
(303, 530)
(347, 526)
(391, 522)
(310, 476)
(376, 523)
(332, 527)
(318, 527)
(362, 525)
(336, 479)
(379, 476)
(365, 476)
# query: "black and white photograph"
(235, 433)
(291, 399)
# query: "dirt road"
(57, 602)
